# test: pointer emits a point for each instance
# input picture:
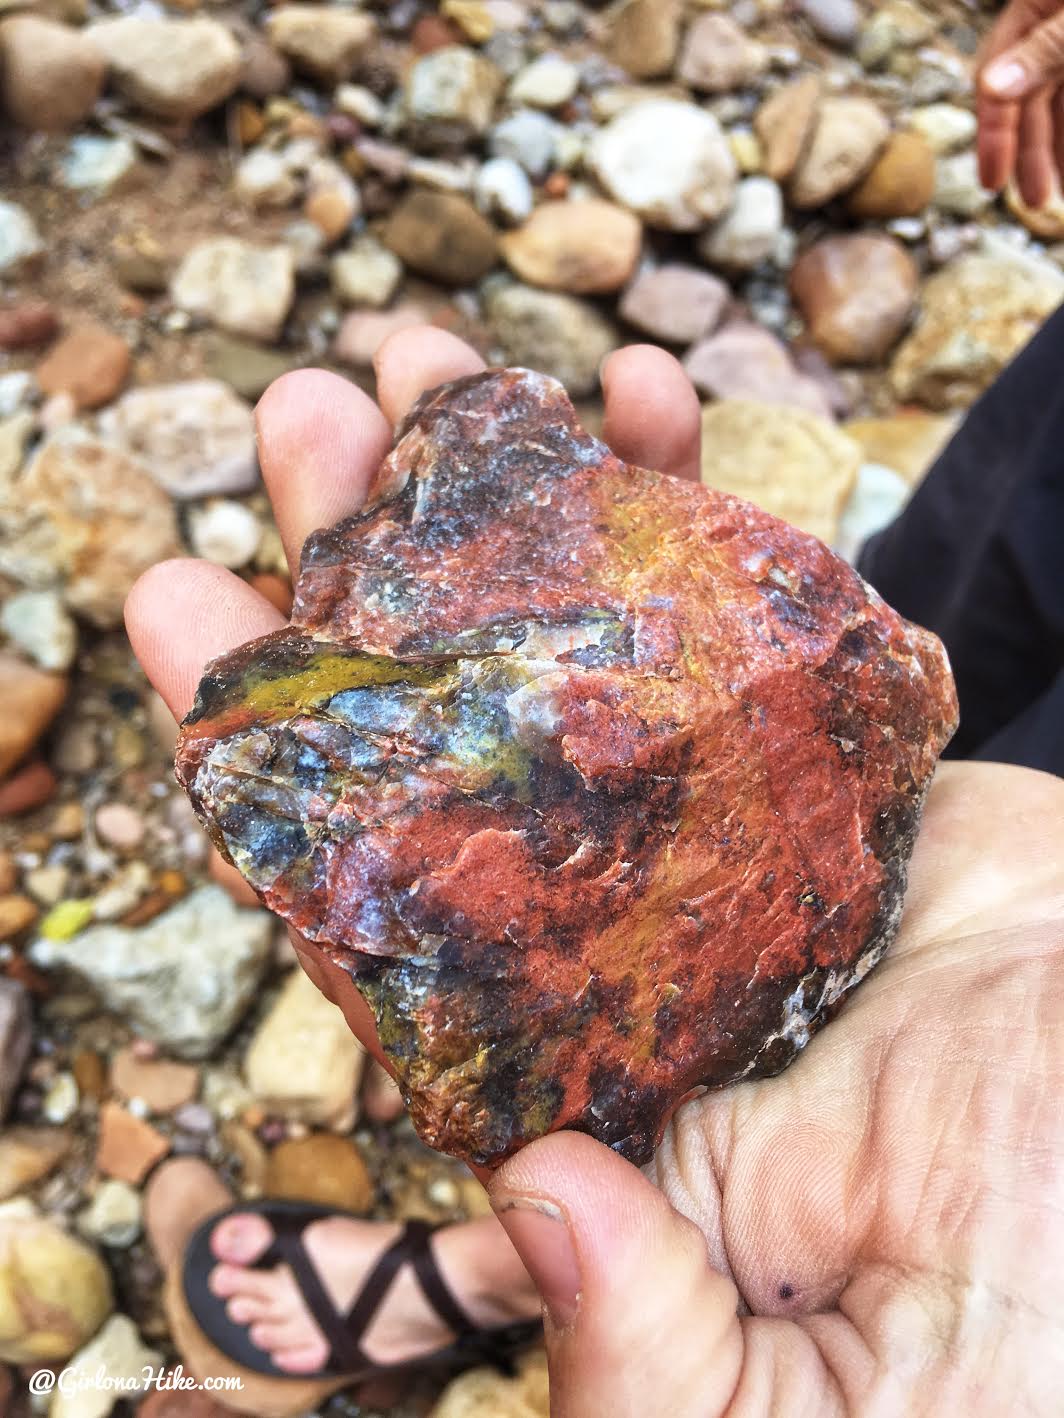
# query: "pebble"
(362, 332)
(878, 497)
(50, 74)
(643, 37)
(248, 369)
(527, 137)
(586, 247)
(97, 165)
(29, 1153)
(90, 364)
(749, 233)
(29, 787)
(170, 68)
(303, 1061)
(361, 103)
(900, 183)
(837, 21)
(140, 262)
(184, 979)
(473, 17)
(117, 1351)
(37, 623)
(848, 136)
(20, 241)
(127, 1147)
(366, 273)
(856, 294)
(668, 161)
(224, 532)
(957, 186)
(789, 461)
(332, 201)
(126, 888)
(17, 914)
(944, 126)
(675, 303)
(323, 41)
(120, 826)
(502, 191)
(263, 73)
(237, 286)
(450, 97)
(784, 125)
(264, 178)
(31, 700)
(48, 884)
(974, 315)
(744, 361)
(87, 520)
(441, 236)
(547, 82)
(17, 390)
(489, 1393)
(163, 1084)
(718, 56)
(322, 1168)
(15, 433)
(560, 334)
(60, 1101)
(16, 1039)
(48, 1321)
(113, 1216)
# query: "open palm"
(879, 1230)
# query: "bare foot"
(475, 1257)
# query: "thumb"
(636, 1319)
(1030, 64)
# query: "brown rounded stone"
(322, 1168)
(900, 183)
(784, 125)
(50, 74)
(30, 787)
(442, 236)
(162, 1083)
(856, 294)
(30, 323)
(17, 913)
(90, 364)
(585, 248)
(643, 37)
(31, 700)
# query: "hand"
(877, 1230)
(1021, 100)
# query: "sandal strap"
(287, 1248)
(418, 1236)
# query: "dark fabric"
(978, 557)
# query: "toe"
(228, 1281)
(305, 1359)
(245, 1309)
(241, 1238)
(266, 1334)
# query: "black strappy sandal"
(289, 1219)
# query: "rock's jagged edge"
(602, 786)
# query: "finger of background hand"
(1058, 136)
(1034, 60)
(1034, 160)
(411, 361)
(998, 129)
(182, 613)
(653, 417)
(320, 441)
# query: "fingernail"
(1007, 79)
(541, 1238)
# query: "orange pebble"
(28, 788)
(557, 184)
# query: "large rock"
(745, 361)
(173, 68)
(442, 236)
(559, 334)
(856, 295)
(237, 286)
(450, 97)
(31, 700)
(16, 1036)
(326, 41)
(86, 519)
(55, 1291)
(304, 1062)
(974, 316)
(675, 303)
(790, 462)
(586, 247)
(668, 161)
(196, 439)
(50, 74)
(848, 136)
(718, 56)
(185, 979)
(521, 791)
(643, 36)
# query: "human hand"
(1021, 100)
(879, 1230)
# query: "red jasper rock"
(600, 784)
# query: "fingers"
(998, 145)
(1030, 64)
(182, 613)
(320, 441)
(411, 361)
(1034, 161)
(637, 1320)
(653, 417)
